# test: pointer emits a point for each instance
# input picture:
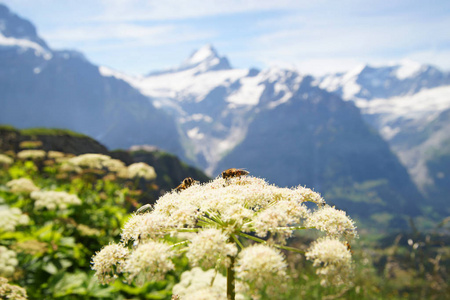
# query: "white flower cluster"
(5, 160)
(10, 291)
(111, 258)
(205, 243)
(10, 218)
(262, 267)
(150, 261)
(53, 200)
(8, 262)
(207, 221)
(333, 260)
(86, 161)
(141, 170)
(245, 204)
(197, 284)
(94, 161)
(22, 185)
(114, 165)
(90, 160)
(333, 221)
(55, 154)
(31, 154)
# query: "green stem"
(254, 238)
(185, 229)
(291, 228)
(180, 243)
(236, 239)
(231, 293)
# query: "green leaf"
(50, 268)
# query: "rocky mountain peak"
(207, 59)
(14, 29)
(207, 52)
(202, 60)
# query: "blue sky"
(315, 36)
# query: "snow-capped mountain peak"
(205, 59)
(205, 53)
(200, 61)
(395, 79)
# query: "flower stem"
(254, 238)
(236, 239)
(231, 293)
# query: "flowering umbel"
(209, 222)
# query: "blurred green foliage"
(50, 131)
(55, 249)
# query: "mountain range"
(341, 134)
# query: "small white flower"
(210, 246)
(55, 154)
(150, 261)
(282, 213)
(10, 218)
(10, 291)
(4, 159)
(114, 165)
(332, 259)
(142, 227)
(109, 261)
(333, 221)
(197, 284)
(22, 185)
(261, 267)
(141, 170)
(53, 200)
(31, 154)
(8, 262)
(89, 160)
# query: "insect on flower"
(144, 208)
(187, 182)
(349, 248)
(234, 173)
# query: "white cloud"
(132, 10)
(315, 36)
(340, 42)
(122, 35)
(439, 58)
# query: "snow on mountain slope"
(405, 123)
(213, 103)
(186, 85)
(418, 109)
(25, 44)
(20, 33)
(407, 69)
(368, 82)
(402, 101)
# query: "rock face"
(40, 87)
